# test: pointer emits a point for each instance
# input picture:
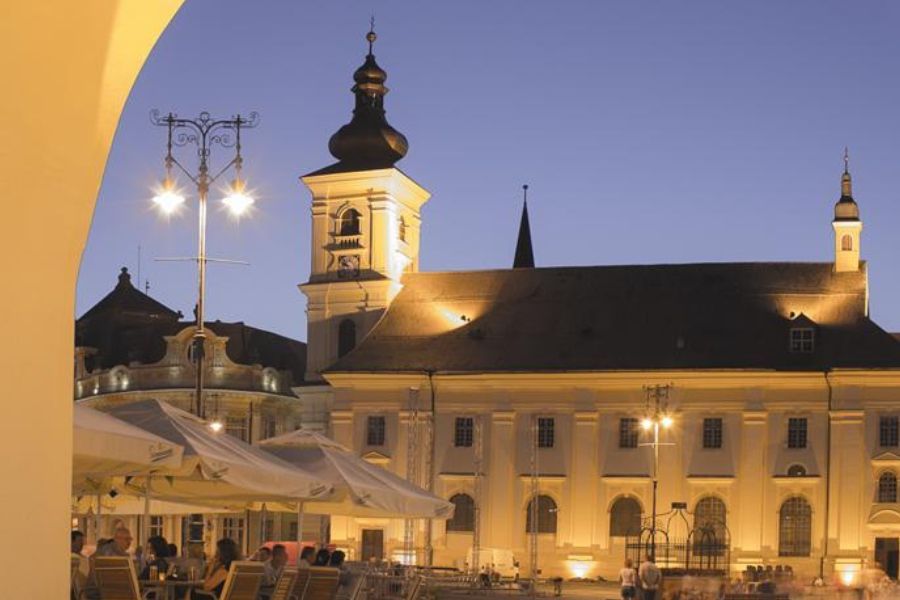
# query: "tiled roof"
(655, 317)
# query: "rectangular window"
(712, 432)
(269, 426)
(375, 428)
(464, 432)
(236, 426)
(545, 432)
(156, 525)
(628, 432)
(802, 340)
(889, 432)
(233, 528)
(797, 432)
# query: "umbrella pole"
(146, 527)
(97, 521)
(299, 529)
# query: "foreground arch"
(68, 68)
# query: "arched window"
(463, 515)
(625, 518)
(346, 337)
(401, 229)
(348, 224)
(794, 527)
(887, 487)
(710, 535)
(846, 242)
(796, 471)
(546, 515)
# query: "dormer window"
(348, 223)
(802, 340)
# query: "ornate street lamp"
(204, 132)
(656, 416)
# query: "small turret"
(846, 224)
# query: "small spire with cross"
(371, 36)
(846, 160)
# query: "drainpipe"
(429, 472)
(827, 479)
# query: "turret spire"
(524, 258)
(846, 224)
(846, 181)
(846, 208)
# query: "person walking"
(628, 580)
(649, 578)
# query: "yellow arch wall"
(67, 68)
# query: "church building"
(521, 394)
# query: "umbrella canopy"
(360, 488)
(216, 469)
(104, 446)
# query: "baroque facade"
(130, 347)
(500, 388)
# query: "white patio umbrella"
(361, 489)
(216, 469)
(104, 446)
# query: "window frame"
(546, 432)
(238, 424)
(376, 429)
(467, 524)
(618, 528)
(790, 542)
(464, 432)
(344, 217)
(799, 439)
(629, 434)
(713, 438)
(802, 340)
(889, 431)
(547, 521)
(887, 487)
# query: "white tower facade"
(847, 226)
(365, 226)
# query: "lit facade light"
(238, 200)
(666, 421)
(646, 423)
(217, 426)
(168, 199)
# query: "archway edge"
(68, 69)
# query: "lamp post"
(656, 417)
(204, 132)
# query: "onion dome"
(367, 141)
(846, 208)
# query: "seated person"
(157, 556)
(275, 565)
(307, 556)
(322, 558)
(262, 554)
(226, 553)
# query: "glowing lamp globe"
(238, 200)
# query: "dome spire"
(368, 141)
(846, 208)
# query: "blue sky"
(649, 132)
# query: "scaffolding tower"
(533, 505)
(476, 490)
(412, 471)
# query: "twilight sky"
(649, 132)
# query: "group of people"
(645, 580)
(160, 558)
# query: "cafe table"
(169, 586)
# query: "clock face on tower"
(348, 266)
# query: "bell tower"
(365, 225)
(847, 225)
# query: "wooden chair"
(242, 583)
(322, 584)
(300, 584)
(116, 578)
(285, 585)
